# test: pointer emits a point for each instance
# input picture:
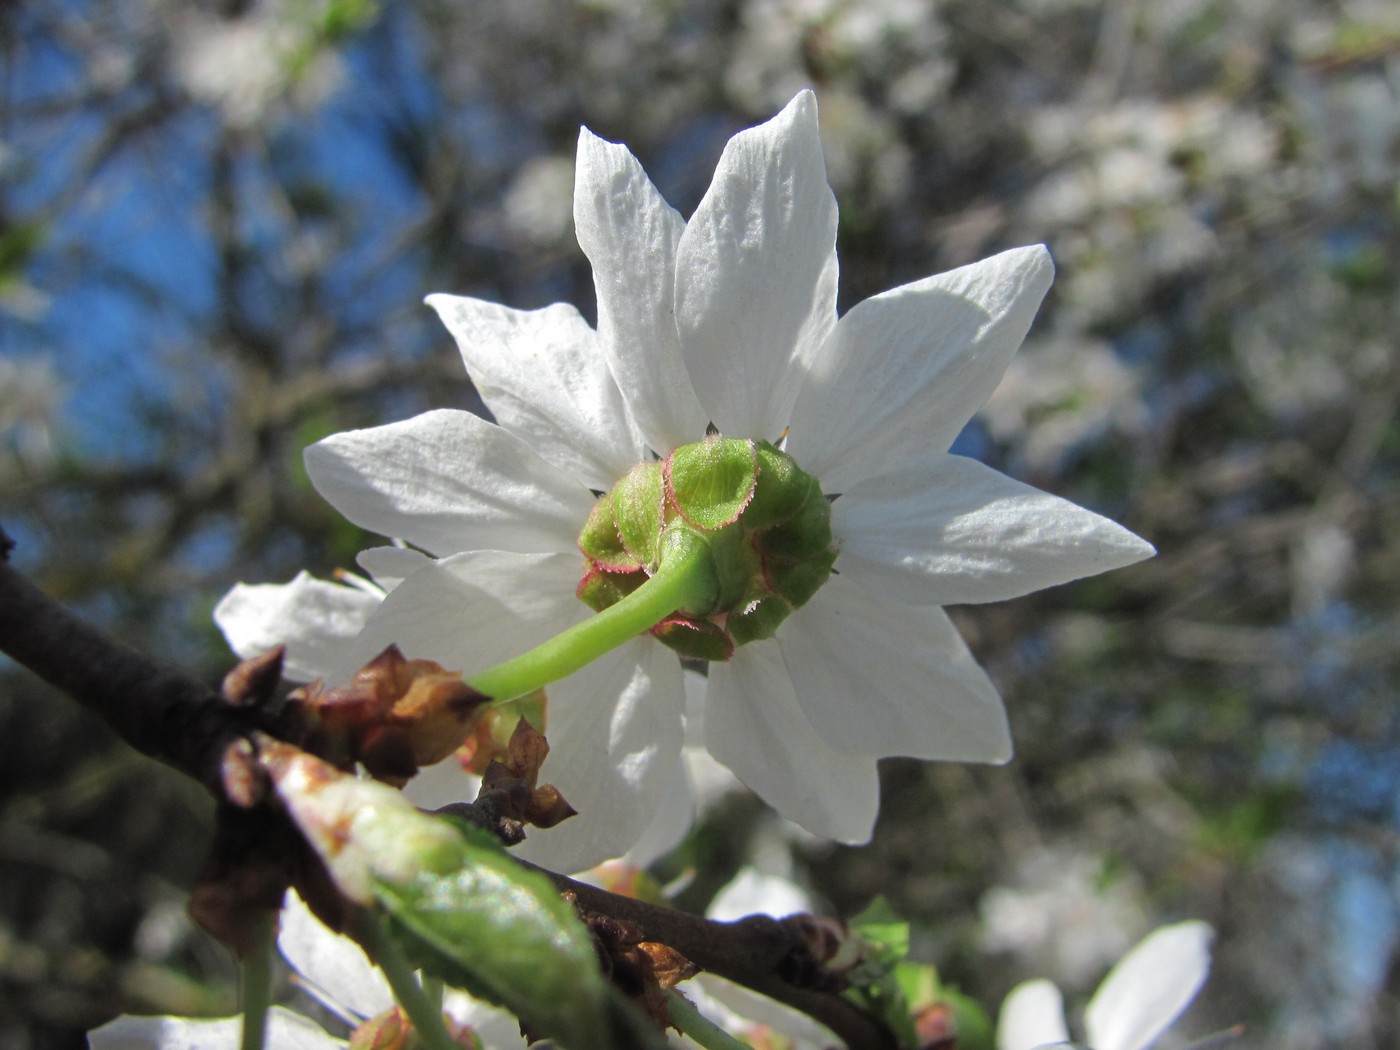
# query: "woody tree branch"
(169, 715)
(155, 707)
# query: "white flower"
(746, 1014)
(1137, 1001)
(728, 319)
(334, 971)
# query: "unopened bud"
(362, 830)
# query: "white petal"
(709, 779)
(752, 893)
(1032, 1015)
(285, 1031)
(614, 730)
(1149, 987)
(390, 566)
(335, 964)
(905, 370)
(614, 727)
(756, 273)
(497, 1029)
(449, 481)
(755, 726)
(316, 620)
(738, 1009)
(880, 679)
(955, 531)
(630, 235)
(545, 378)
(441, 785)
(669, 825)
(471, 611)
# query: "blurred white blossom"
(245, 65)
(1060, 392)
(1138, 1000)
(1062, 916)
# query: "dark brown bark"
(758, 952)
(156, 708)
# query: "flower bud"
(742, 512)
(361, 829)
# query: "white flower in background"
(1060, 393)
(537, 205)
(245, 65)
(31, 394)
(1139, 999)
(335, 972)
(1060, 917)
(729, 321)
(743, 1013)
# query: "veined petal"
(1149, 988)
(471, 611)
(285, 1031)
(738, 1009)
(879, 679)
(756, 273)
(672, 819)
(953, 531)
(390, 566)
(755, 726)
(497, 1029)
(335, 965)
(1032, 1015)
(905, 370)
(630, 235)
(545, 378)
(614, 731)
(449, 481)
(314, 619)
(614, 727)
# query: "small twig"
(691, 1022)
(158, 709)
(425, 1015)
(759, 952)
(256, 991)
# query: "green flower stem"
(681, 1012)
(423, 1013)
(255, 993)
(680, 583)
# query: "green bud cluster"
(742, 512)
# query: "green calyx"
(740, 512)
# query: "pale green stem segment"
(255, 993)
(424, 1014)
(681, 582)
(681, 1012)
